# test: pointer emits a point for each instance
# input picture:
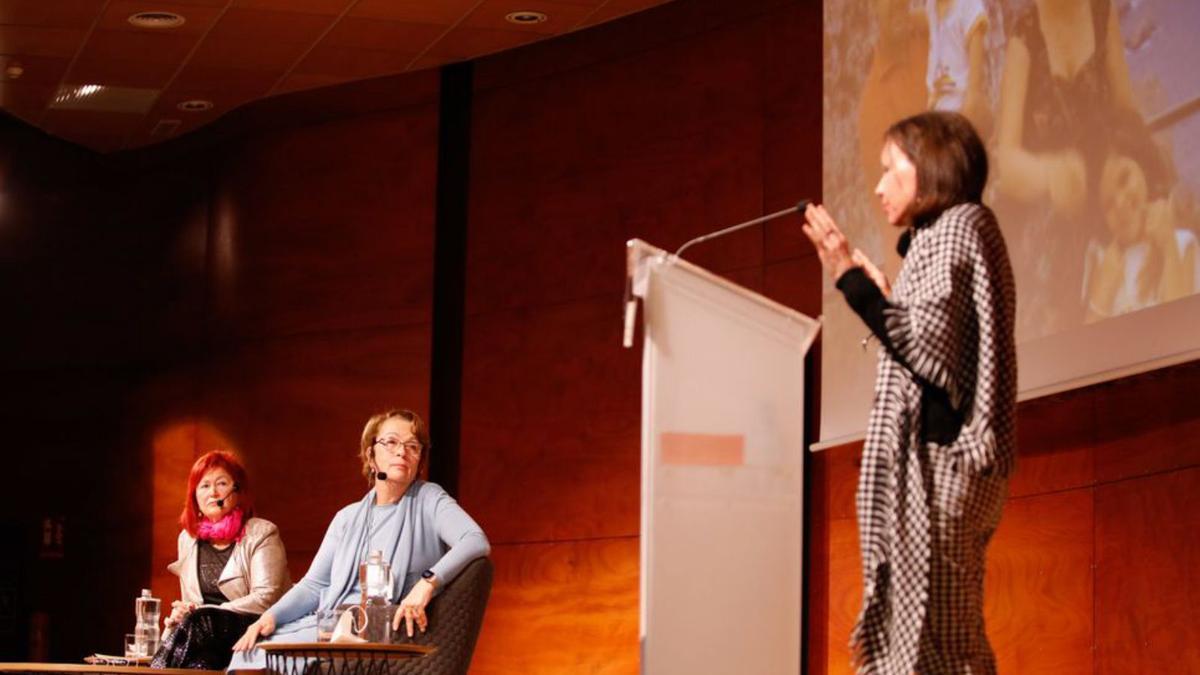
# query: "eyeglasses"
(394, 445)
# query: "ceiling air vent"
(157, 20)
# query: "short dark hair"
(951, 162)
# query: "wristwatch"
(429, 576)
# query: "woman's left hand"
(827, 238)
(412, 608)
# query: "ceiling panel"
(415, 11)
(212, 79)
(142, 73)
(383, 35)
(349, 63)
(260, 24)
(430, 61)
(305, 6)
(74, 14)
(615, 9)
(235, 51)
(198, 19)
(561, 17)
(301, 81)
(202, 3)
(40, 41)
(465, 42)
(46, 70)
(138, 45)
(249, 54)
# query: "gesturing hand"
(874, 273)
(827, 238)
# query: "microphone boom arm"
(740, 226)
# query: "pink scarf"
(228, 528)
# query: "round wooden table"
(338, 658)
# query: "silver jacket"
(253, 579)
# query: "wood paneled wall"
(670, 124)
(262, 293)
(318, 283)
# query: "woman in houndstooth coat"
(939, 444)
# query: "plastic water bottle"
(147, 609)
(375, 585)
(375, 579)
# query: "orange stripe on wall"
(703, 449)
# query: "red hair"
(217, 459)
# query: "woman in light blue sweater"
(423, 532)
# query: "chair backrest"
(455, 617)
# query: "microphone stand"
(800, 206)
(631, 302)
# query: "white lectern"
(722, 471)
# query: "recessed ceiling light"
(157, 20)
(195, 105)
(525, 17)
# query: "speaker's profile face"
(216, 486)
(897, 187)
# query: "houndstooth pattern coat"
(927, 511)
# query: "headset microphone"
(220, 503)
(381, 475)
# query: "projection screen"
(1091, 114)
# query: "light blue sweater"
(427, 531)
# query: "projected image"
(1091, 113)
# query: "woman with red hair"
(231, 566)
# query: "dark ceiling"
(80, 70)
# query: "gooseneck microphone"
(799, 207)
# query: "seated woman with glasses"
(231, 566)
(423, 533)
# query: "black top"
(209, 565)
(940, 422)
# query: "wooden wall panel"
(792, 122)
(1148, 424)
(1055, 437)
(650, 146)
(1038, 591)
(580, 152)
(562, 607)
(550, 433)
(1147, 589)
(327, 228)
(845, 596)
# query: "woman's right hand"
(179, 612)
(261, 628)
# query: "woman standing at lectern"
(939, 444)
